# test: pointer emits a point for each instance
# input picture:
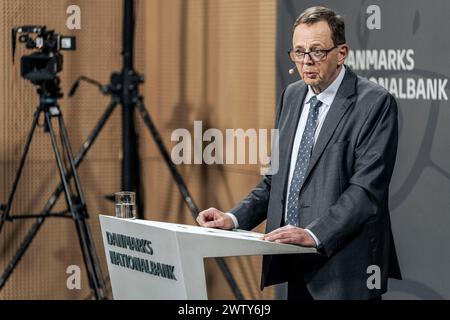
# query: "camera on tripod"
(47, 61)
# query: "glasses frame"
(325, 51)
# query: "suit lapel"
(292, 120)
(289, 123)
(337, 109)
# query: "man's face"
(308, 37)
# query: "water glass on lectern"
(125, 204)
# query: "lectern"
(160, 260)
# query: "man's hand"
(292, 235)
(214, 218)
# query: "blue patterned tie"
(301, 165)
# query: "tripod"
(49, 92)
(123, 89)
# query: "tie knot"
(315, 103)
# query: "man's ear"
(342, 53)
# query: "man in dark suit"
(338, 137)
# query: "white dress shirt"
(326, 97)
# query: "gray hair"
(318, 13)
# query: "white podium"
(160, 260)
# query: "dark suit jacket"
(344, 198)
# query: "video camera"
(44, 64)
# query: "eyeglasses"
(315, 55)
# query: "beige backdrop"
(209, 60)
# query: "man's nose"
(307, 59)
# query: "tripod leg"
(72, 208)
(184, 191)
(7, 209)
(81, 154)
(84, 227)
(165, 154)
(55, 195)
(24, 245)
(95, 132)
(21, 251)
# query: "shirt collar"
(327, 96)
